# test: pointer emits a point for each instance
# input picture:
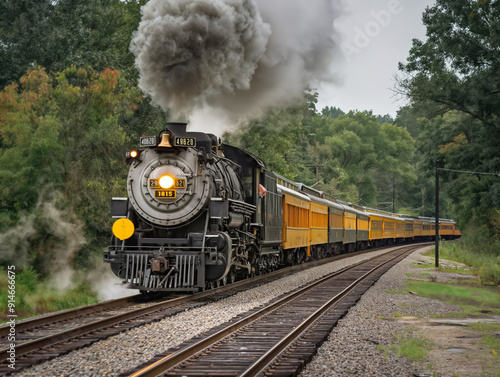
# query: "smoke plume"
(236, 56)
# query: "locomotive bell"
(165, 141)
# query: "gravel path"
(352, 348)
(353, 344)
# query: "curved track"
(279, 338)
(47, 337)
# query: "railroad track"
(280, 338)
(47, 337)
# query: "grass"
(478, 250)
(489, 338)
(408, 344)
(34, 296)
(476, 297)
(473, 300)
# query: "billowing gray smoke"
(238, 56)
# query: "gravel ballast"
(354, 346)
(351, 350)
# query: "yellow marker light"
(133, 154)
(123, 229)
(166, 182)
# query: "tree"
(457, 72)
(375, 156)
(352, 156)
(332, 112)
(272, 139)
(458, 67)
(61, 142)
(458, 142)
(58, 34)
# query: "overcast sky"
(375, 36)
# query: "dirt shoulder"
(457, 350)
(458, 343)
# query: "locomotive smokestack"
(177, 128)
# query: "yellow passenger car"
(409, 229)
(362, 228)
(319, 224)
(296, 219)
(427, 229)
(446, 229)
(389, 229)
(350, 228)
(418, 229)
(376, 227)
(400, 228)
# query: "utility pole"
(437, 213)
(393, 196)
(423, 200)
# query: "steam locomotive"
(200, 214)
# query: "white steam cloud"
(63, 226)
(238, 57)
(15, 242)
(69, 233)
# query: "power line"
(469, 172)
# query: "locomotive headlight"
(131, 155)
(166, 181)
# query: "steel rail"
(66, 314)
(62, 336)
(265, 360)
(177, 357)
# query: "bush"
(34, 296)
(479, 250)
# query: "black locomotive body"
(194, 214)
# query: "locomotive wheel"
(260, 266)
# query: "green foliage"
(453, 80)
(479, 298)
(58, 34)
(353, 156)
(457, 66)
(410, 345)
(478, 249)
(62, 147)
(28, 279)
(34, 296)
(272, 139)
(332, 112)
